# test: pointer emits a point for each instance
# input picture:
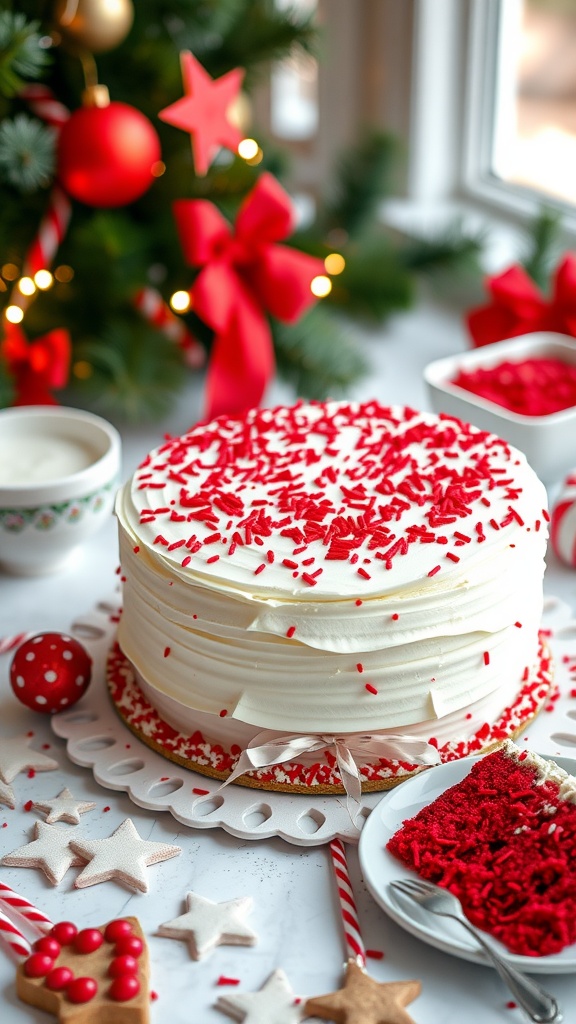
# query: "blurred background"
(421, 144)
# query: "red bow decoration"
(244, 275)
(37, 366)
(518, 307)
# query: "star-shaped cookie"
(365, 1001)
(206, 925)
(7, 795)
(64, 808)
(16, 756)
(49, 851)
(274, 1002)
(203, 111)
(123, 855)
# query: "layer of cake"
(504, 841)
(332, 568)
(214, 745)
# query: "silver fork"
(540, 1006)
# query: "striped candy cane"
(563, 525)
(12, 937)
(24, 908)
(8, 643)
(149, 302)
(352, 936)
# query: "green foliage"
(21, 55)
(374, 283)
(363, 177)
(7, 390)
(26, 153)
(543, 246)
(317, 356)
(135, 371)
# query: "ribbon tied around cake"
(267, 749)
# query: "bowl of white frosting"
(59, 469)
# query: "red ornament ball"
(64, 932)
(50, 672)
(116, 929)
(122, 965)
(129, 945)
(48, 945)
(106, 154)
(38, 965)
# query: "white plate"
(379, 868)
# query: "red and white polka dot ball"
(50, 672)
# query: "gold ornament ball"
(94, 25)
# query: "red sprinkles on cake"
(504, 841)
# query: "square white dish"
(549, 442)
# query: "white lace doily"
(97, 738)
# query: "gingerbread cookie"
(364, 1001)
(95, 976)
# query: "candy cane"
(149, 302)
(23, 907)
(8, 643)
(54, 223)
(352, 936)
(13, 938)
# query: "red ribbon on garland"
(518, 306)
(38, 366)
(245, 275)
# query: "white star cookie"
(207, 924)
(16, 756)
(275, 1002)
(49, 851)
(123, 855)
(7, 795)
(64, 808)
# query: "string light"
(26, 286)
(82, 369)
(248, 149)
(334, 263)
(321, 286)
(14, 314)
(158, 169)
(180, 301)
(64, 274)
(43, 280)
(10, 271)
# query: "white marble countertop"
(295, 908)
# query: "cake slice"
(504, 841)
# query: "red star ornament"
(203, 111)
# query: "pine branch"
(543, 245)
(317, 356)
(135, 372)
(27, 153)
(7, 391)
(374, 283)
(450, 252)
(363, 179)
(21, 56)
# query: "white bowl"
(59, 470)
(549, 442)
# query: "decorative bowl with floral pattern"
(59, 468)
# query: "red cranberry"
(64, 932)
(38, 965)
(123, 965)
(116, 929)
(81, 990)
(88, 940)
(130, 944)
(48, 945)
(59, 979)
(124, 988)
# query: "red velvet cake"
(504, 841)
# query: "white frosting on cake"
(546, 770)
(415, 549)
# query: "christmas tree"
(95, 288)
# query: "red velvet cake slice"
(504, 841)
